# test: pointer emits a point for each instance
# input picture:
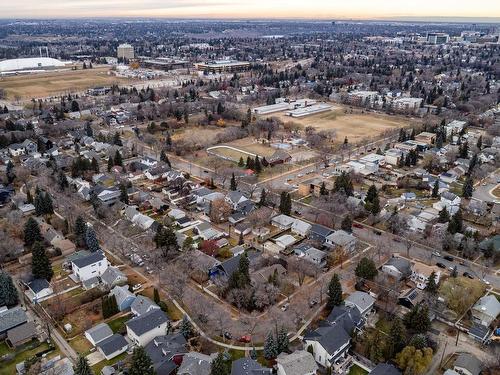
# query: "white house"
(98, 333)
(421, 273)
(341, 239)
(90, 266)
(144, 328)
(282, 221)
(150, 162)
(362, 301)
(398, 268)
(486, 310)
(301, 228)
(329, 344)
(38, 289)
(449, 201)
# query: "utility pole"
(444, 351)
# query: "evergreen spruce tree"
(322, 189)
(366, 269)
(29, 197)
(91, 240)
(435, 189)
(257, 165)
(270, 347)
(444, 216)
(241, 241)
(48, 206)
(118, 159)
(431, 286)
(346, 224)
(95, 165)
(456, 225)
(219, 366)
(141, 363)
(334, 292)
(253, 354)
(468, 187)
(480, 142)
(372, 202)
(80, 230)
(40, 264)
(233, 184)
(82, 366)
(31, 232)
(186, 328)
(110, 163)
(8, 291)
(241, 163)
(397, 338)
(417, 319)
(262, 200)
(282, 340)
(156, 296)
(123, 194)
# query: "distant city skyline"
(482, 10)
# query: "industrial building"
(438, 38)
(30, 63)
(310, 110)
(125, 51)
(223, 66)
(284, 105)
(165, 63)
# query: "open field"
(54, 83)
(354, 126)
(496, 191)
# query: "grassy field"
(356, 370)
(54, 83)
(229, 153)
(354, 126)
(21, 354)
(496, 192)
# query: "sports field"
(355, 126)
(40, 85)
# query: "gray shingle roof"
(112, 344)
(298, 363)
(385, 369)
(147, 321)
(247, 366)
(469, 362)
(38, 285)
(21, 333)
(111, 275)
(195, 363)
(142, 304)
(89, 259)
(99, 332)
(12, 318)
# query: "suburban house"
(398, 268)
(112, 346)
(207, 232)
(11, 318)
(38, 289)
(98, 333)
(21, 334)
(319, 233)
(27, 147)
(340, 239)
(299, 362)
(449, 201)
(109, 197)
(90, 266)
(195, 363)
(467, 364)
(150, 162)
(157, 172)
(301, 228)
(331, 341)
(112, 277)
(486, 310)
(283, 222)
(234, 198)
(248, 366)
(315, 256)
(166, 352)
(124, 298)
(313, 187)
(142, 305)
(362, 301)
(421, 273)
(226, 268)
(279, 157)
(143, 329)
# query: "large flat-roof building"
(29, 63)
(223, 66)
(125, 51)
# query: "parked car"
(440, 265)
(449, 258)
(436, 253)
(467, 274)
(356, 225)
(313, 303)
(377, 232)
(245, 338)
(227, 335)
(136, 287)
(285, 306)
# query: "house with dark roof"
(38, 289)
(112, 346)
(362, 301)
(248, 366)
(90, 266)
(167, 352)
(399, 268)
(319, 233)
(486, 310)
(234, 198)
(11, 318)
(226, 268)
(143, 329)
(279, 157)
(467, 364)
(332, 339)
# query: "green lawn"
(356, 370)
(98, 367)
(118, 323)
(26, 351)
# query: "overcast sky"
(363, 9)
